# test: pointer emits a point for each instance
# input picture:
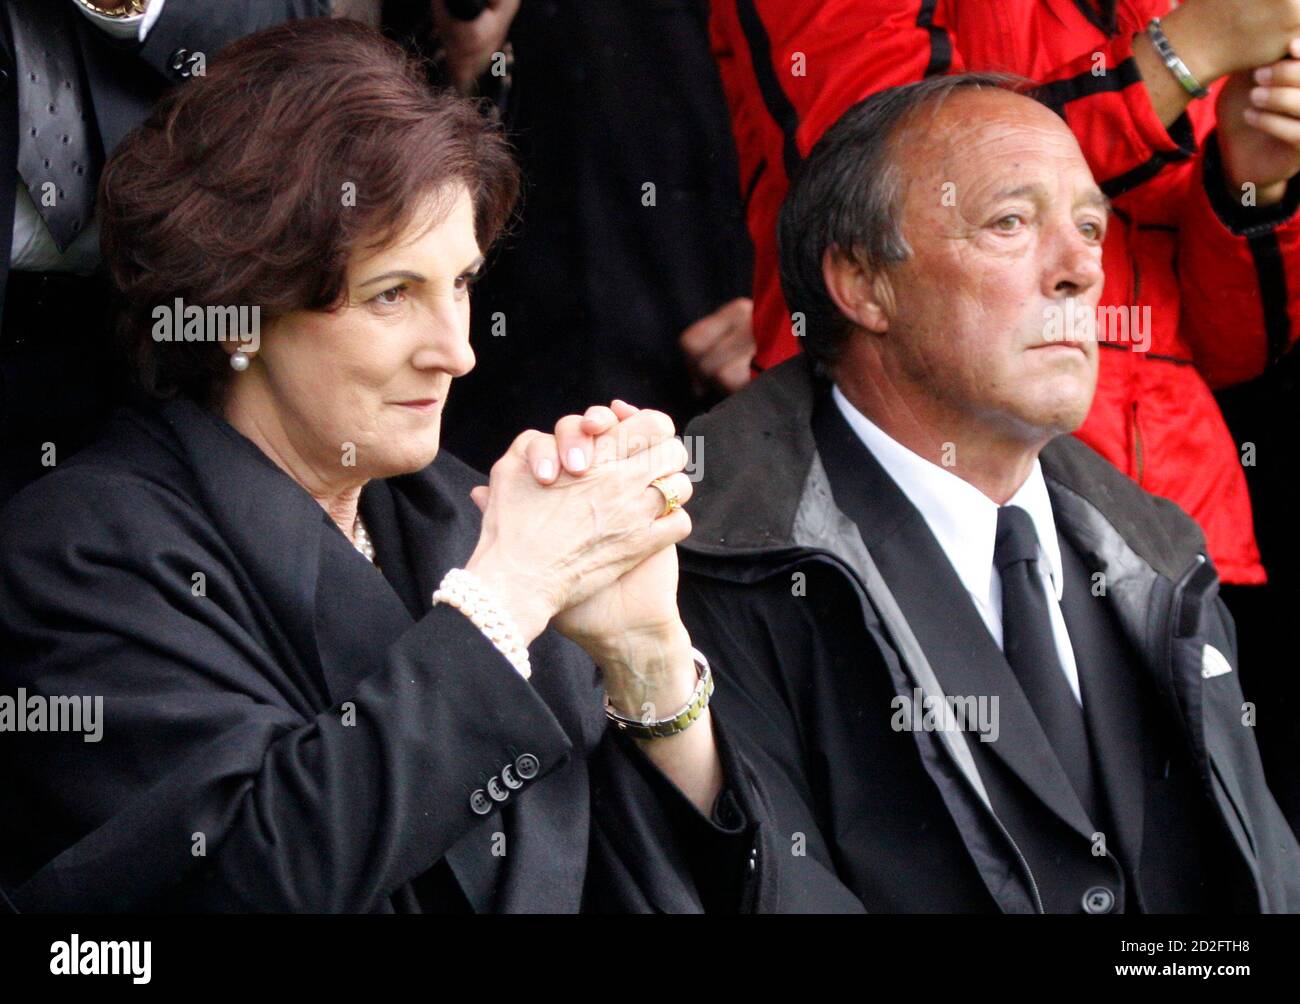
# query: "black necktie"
(1030, 648)
(56, 158)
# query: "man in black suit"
(75, 77)
(995, 671)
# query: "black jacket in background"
(233, 632)
(593, 288)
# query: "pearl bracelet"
(462, 589)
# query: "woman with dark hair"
(308, 675)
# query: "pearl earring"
(239, 361)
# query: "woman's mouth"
(424, 404)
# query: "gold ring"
(672, 501)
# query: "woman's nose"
(445, 346)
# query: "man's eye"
(392, 297)
(1093, 231)
(1009, 222)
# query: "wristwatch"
(125, 8)
(680, 720)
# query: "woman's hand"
(640, 607)
(629, 624)
(546, 549)
(630, 628)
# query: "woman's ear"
(860, 294)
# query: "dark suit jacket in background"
(125, 79)
(59, 379)
(593, 286)
(229, 627)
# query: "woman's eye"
(391, 297)
(1093, 231)
(1009, 223)
(468, 279)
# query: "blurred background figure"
(1197, 147)
(628, 270)
(75, 77)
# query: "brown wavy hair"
(253, 184)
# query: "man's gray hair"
(846, 195)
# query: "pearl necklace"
(361, 540)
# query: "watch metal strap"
(675, 723)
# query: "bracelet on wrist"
(680, 721)
(463, 590)
(1165, 50)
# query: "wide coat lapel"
(271, 529)
(1112, 699)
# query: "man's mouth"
(1077, 346)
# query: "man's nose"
(1074, 264)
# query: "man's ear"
(860, 294)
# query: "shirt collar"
(962, 518)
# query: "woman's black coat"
(288, 728)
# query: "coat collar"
(269, 524)
(761, 451)
(962, 518)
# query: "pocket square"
(1214, 662)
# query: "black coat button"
(527, 766)
(508, 776)
(497, 790)
(480, 803)
(1098, 899)
(183, 63)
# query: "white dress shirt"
(33, 249)
(964, 521)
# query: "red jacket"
(1222, 289)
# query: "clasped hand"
(574, 533)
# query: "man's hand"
(1219, 37)
(1215, 38)
(720, 346)
(470, 45)
(1259, 129)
